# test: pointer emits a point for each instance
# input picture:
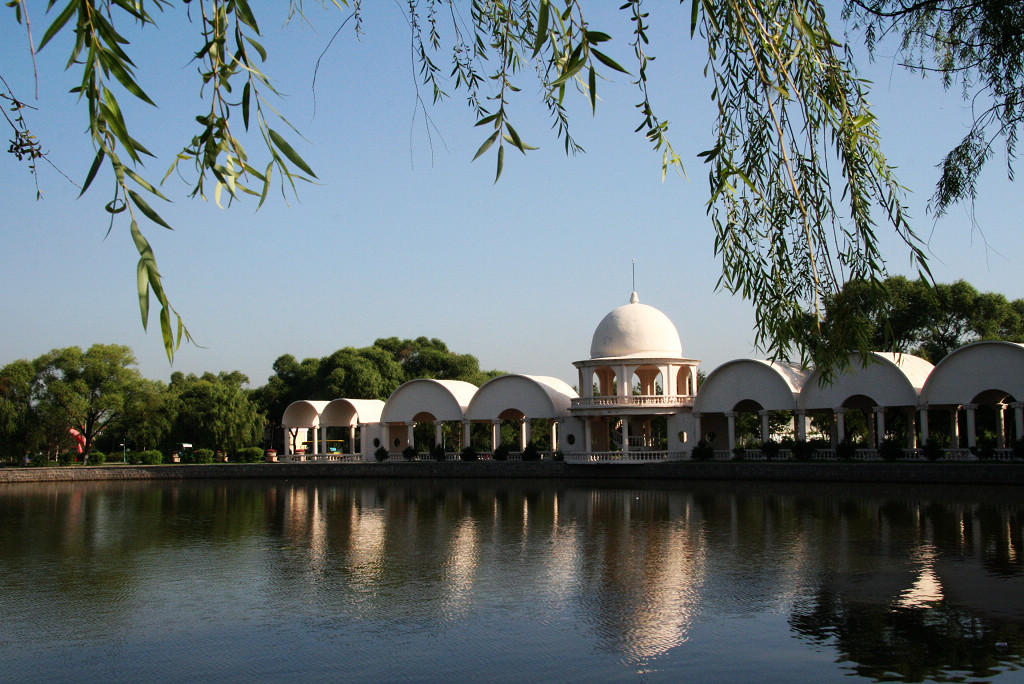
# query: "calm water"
(504, 581)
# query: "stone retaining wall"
(930, 473)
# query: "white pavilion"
(639, 402)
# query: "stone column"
(972, 435)
(800, 424)
(765, 425)
(954, 427)
(438, 436)
(879, 412)
(625, 435)
(287, 440)
(323, 440)
(524, 433)
(410, 434)
(352, 438)
(840, 435)
(495, 433)
(466, 441)
(924, 425)
(730, 418)
(911, 428)
(1000, 426)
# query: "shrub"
(501, 453)
(802, 450)
(890, 449)
(469, 453)
(437, 452)
(846, 450)
(739, 453)
(97, 458)
(770, 449)
(381, 454)
(203, 455)
(409, 453)
(249, 455)
(64, 458)
(531, 452)
(559, 455)
(702, 451)
(150, 457)
(932, 450)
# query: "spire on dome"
(634, 298)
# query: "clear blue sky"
(404, 236)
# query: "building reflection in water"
(899, 586)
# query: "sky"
(403, 235)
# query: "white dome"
(636, 330)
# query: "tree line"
(97, 401)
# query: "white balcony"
(631, 401)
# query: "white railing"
(654, 400)
(625, 457)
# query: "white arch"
(888, 379)
(532, 395)
(341, 412)
(974, 368)
(304, 413)
(775, 386)
(443, 399)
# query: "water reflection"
(661, 580)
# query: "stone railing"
(640, 400)
(625, 457)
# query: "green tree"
(215, 411)
(85, 391)
(927, 320)
(798, 182)
(16, 381)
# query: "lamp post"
(124, 452)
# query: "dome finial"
(634, 298)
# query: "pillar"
(954, 427)
(911, 428)
(323, 439)
(352, 438)
(625, 435)
(438, 436)
(840, 433)
(1000, 426)
(730, 418)
(924, 424)
(409, 434)
(524, 433)
(800, 424)
(495, 434)
(765, 426)
(972, 435)
(465, 434)
(879, 412)
(287, 440)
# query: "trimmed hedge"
(203, 455)
(249, 455)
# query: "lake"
(412, 581)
